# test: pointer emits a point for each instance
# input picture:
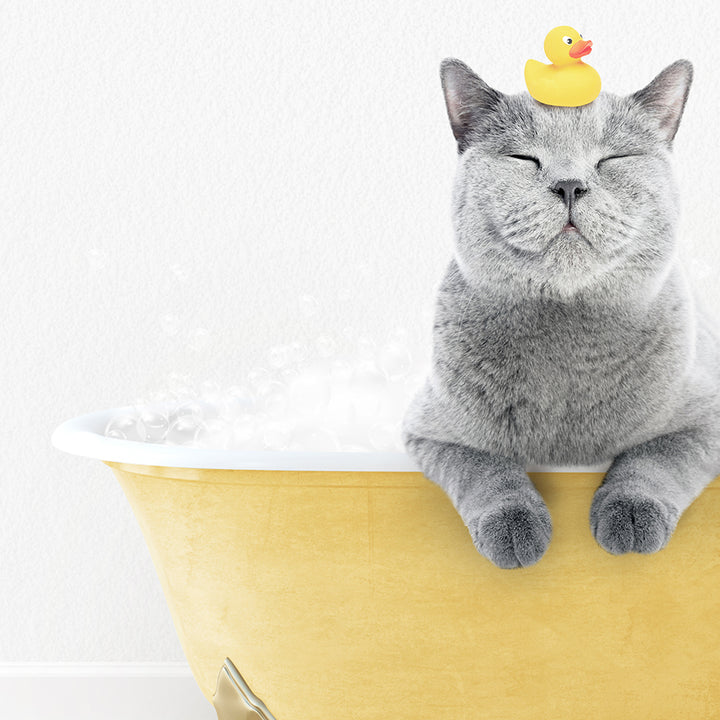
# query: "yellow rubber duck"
(568, 82)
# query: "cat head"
(528, 171)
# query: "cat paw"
(623, 522)
(513, 534)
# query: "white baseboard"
(101, 691)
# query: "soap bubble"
(365, 348)
(259, 379)
(197, 408)
(279, 356)
(367, 386)
(183, 429)
(383, 436)
(123, 427)
(341, 370)
(180, 386)
(309, 393)
(326, 346)
(316, 366)
(189, 407)
(427, 313)
(288, 374)
(348, 334)
(237, 401)
(700, 270)
(309, 305)
(299, 352)
(215, 433)
(152, 426)
(399, 335)
(211, 392)
(355, 447)
(208, 410)
(394, 359)
(159, 399)
(340, 411)
(393, 402)
(139, 404)
(414, 382)
(275, 402)
(244, 430)
(354, 433)
(275, 434)
(313, 439)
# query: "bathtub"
(344, 586)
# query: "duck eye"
(567, 40)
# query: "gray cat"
(565, 332)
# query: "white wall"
(266, 150)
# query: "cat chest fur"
(555, 382)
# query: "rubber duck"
(568, 81)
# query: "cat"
(565, 330)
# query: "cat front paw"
(513, 533)
(624, 522)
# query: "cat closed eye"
(526, 157)
(616, 157)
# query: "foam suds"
(320, 399)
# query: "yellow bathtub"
(343, 586)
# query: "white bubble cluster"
(334, 394)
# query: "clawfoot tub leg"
(648, 487)
(234, 700)
(506, 516)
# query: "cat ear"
(664, 98)
(467, 99)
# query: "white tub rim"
(84, 436)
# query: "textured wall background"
(213, 162)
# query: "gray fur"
(563, 348)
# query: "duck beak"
(580, 48)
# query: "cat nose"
(569, 190)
